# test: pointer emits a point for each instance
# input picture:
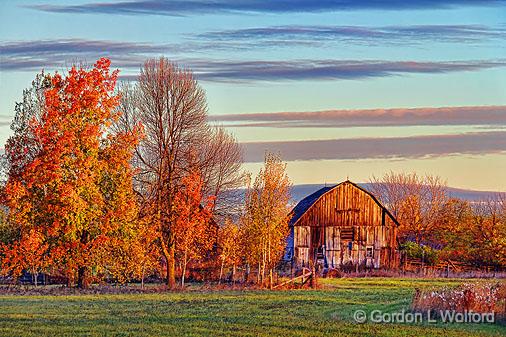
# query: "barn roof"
(306, 203)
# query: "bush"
(414, 250)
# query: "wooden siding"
(346, 222)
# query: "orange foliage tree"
(193, 233)
(74, 192)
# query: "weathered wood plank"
(347, 206)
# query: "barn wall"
(347, 214)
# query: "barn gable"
(305, 204)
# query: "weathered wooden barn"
(343, 226)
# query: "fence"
(446, 268)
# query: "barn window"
(369, 252)
(347, 234)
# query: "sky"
(340, 88)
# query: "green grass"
(327, 311)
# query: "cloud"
(466, 115)
(66, 46)
(34, 55)
(195, 7)
(55, 53)
(384, 148)
(296, 70)
(360, 34)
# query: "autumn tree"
(134, 254)
(21, 248)
(193, 232)
(170, 104)
(73, 192)
(488, 245)
(8, 233)
(454, 235)
(229, 241)
(265, 217)
(417, 202)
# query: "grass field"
(327, 311)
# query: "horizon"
(338, 88)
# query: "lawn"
(327, 311)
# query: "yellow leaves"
(265, 219)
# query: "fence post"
(313, 278)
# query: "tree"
(417, 202)
(8, 233)
(194, 238)
(74, 192)
(488, 244)
(170, 104)
(265, 216)
(220, 161)
(134, 254)
(25, 254)
(23, 146)
(454, 235)
(229, 238)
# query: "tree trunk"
(264, 256)
(171, 268)
(259, 272)
(82, 271)
(221, 270)
(246, 274)
(82, 281)
(142, 275)
(269, 262)
(34, 276)
(233, 274)
(169, 254)
(183, 269)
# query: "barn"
(343, 226)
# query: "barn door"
(346, 249)
(317, 242)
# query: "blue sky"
(341, 88)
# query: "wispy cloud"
(411, 34)
(34, 55)
(386, 148)
(466, 115)
(227, 71)
(54, 53)
(66, 46)
(195, 7)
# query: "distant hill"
(301, 191)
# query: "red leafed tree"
(194, 237)
(74, 191)
(26, 254)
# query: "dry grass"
(480, 297)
